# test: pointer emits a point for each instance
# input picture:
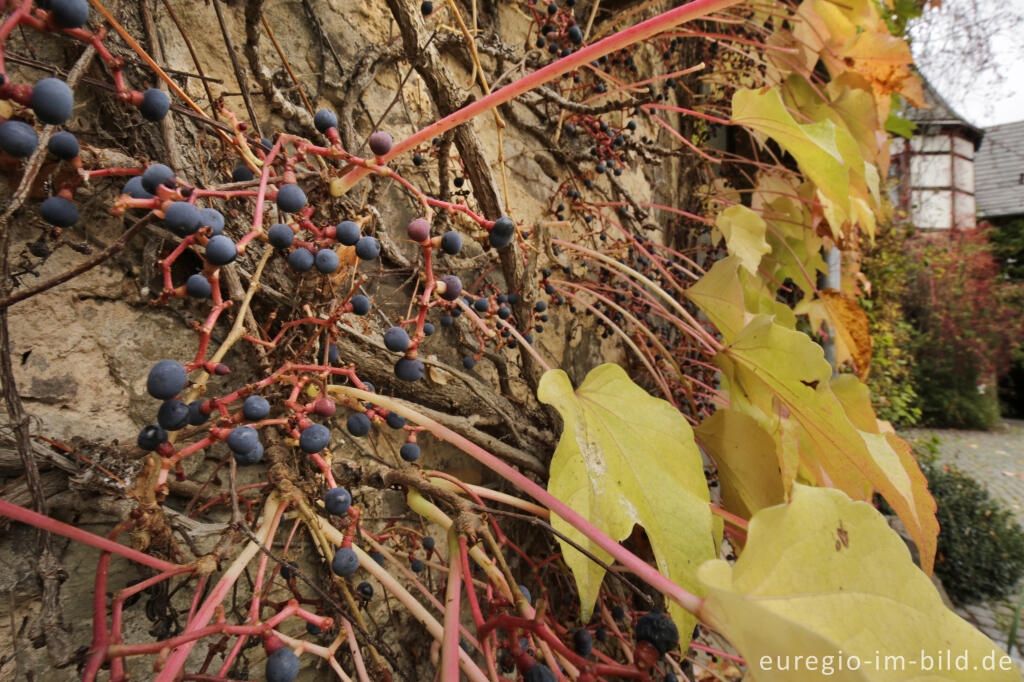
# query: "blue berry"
(601, 635)
(337, 501)
(582, 642)
(52, 101)
(365, 590)
(358, 424)
(360, 304)
(618, 613)
(173, 415)
(658, 630)
(282, 665)
(182, 218)
(220, 250)
(410, 452)
(59, 211)
(301, 259)
(332, 353)
(428, 543)
(417, 566)
(314, 438)
(447, 320)
(539, 673)
(428, 329)
(155, 105)
(426, 8)
(70, 13)
(251, 456)
(504, 312)
(213, 219)
(347, 233)
(311, 628)
(290, 198)
(63, 145)
(326, 261)
(367, 248)
(481, 305)
(502, 232)
(255, 408)
(540, 306)
(324, 120)
(195, 414)
(409, 369)
(242, 173)
(18, 138)
(135, 190)
(150, 437)
(453, 287)
(345, 562)
(525, 591)
(166, 379)
(396, 340)
(198, 286)
(451, 242)
(395, 420)
(155, 175)
(280, 236)
(243, 439)
(575, 34)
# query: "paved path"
(996, 460)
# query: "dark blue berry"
(150, 437)
(282, 665)
(410, 452)
(360, 304)
(326, 261)
(173, 415)
(18, 138)
(251, 456)
(220, 250)
(301, 259)
(502, 232)
(409, 369)
(582, 642)
(255, 408)
(451, 242)
(281, 236)
(345, 562)
(428, 329)
(52, 101)
(195, 414)
(337, 501)
(155, 105)
(243, 439)
(242, 173)
(70, 13)
(156, 175)
(469, 362)
(314, 438)
(198, 286)
(135, 190)
(367, 248)
(324, 120)
(290, 198)
(396, 340)
(417, 566)
(428, 543)
(347, 233)
(63, 145)
(358, 424)
(166, 379)
(59, 211)
(182, 218)
(658, 630)
(211, 218)
(395, 420)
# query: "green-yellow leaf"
(793, 368)
(626, 458)
(824, 576)
(748, 468)
(744, 233)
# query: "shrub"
(980, 547)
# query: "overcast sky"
(986, 96)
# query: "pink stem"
(450, 643)
(32, 518)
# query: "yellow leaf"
(850, 323)
(748, 468)
(744, 233)
(813, 145)
(824, 576)
(793, 368)
(626, 458)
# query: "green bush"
(980, 548)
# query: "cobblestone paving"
(995, 459)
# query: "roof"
(999, 171)
(942, 115)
